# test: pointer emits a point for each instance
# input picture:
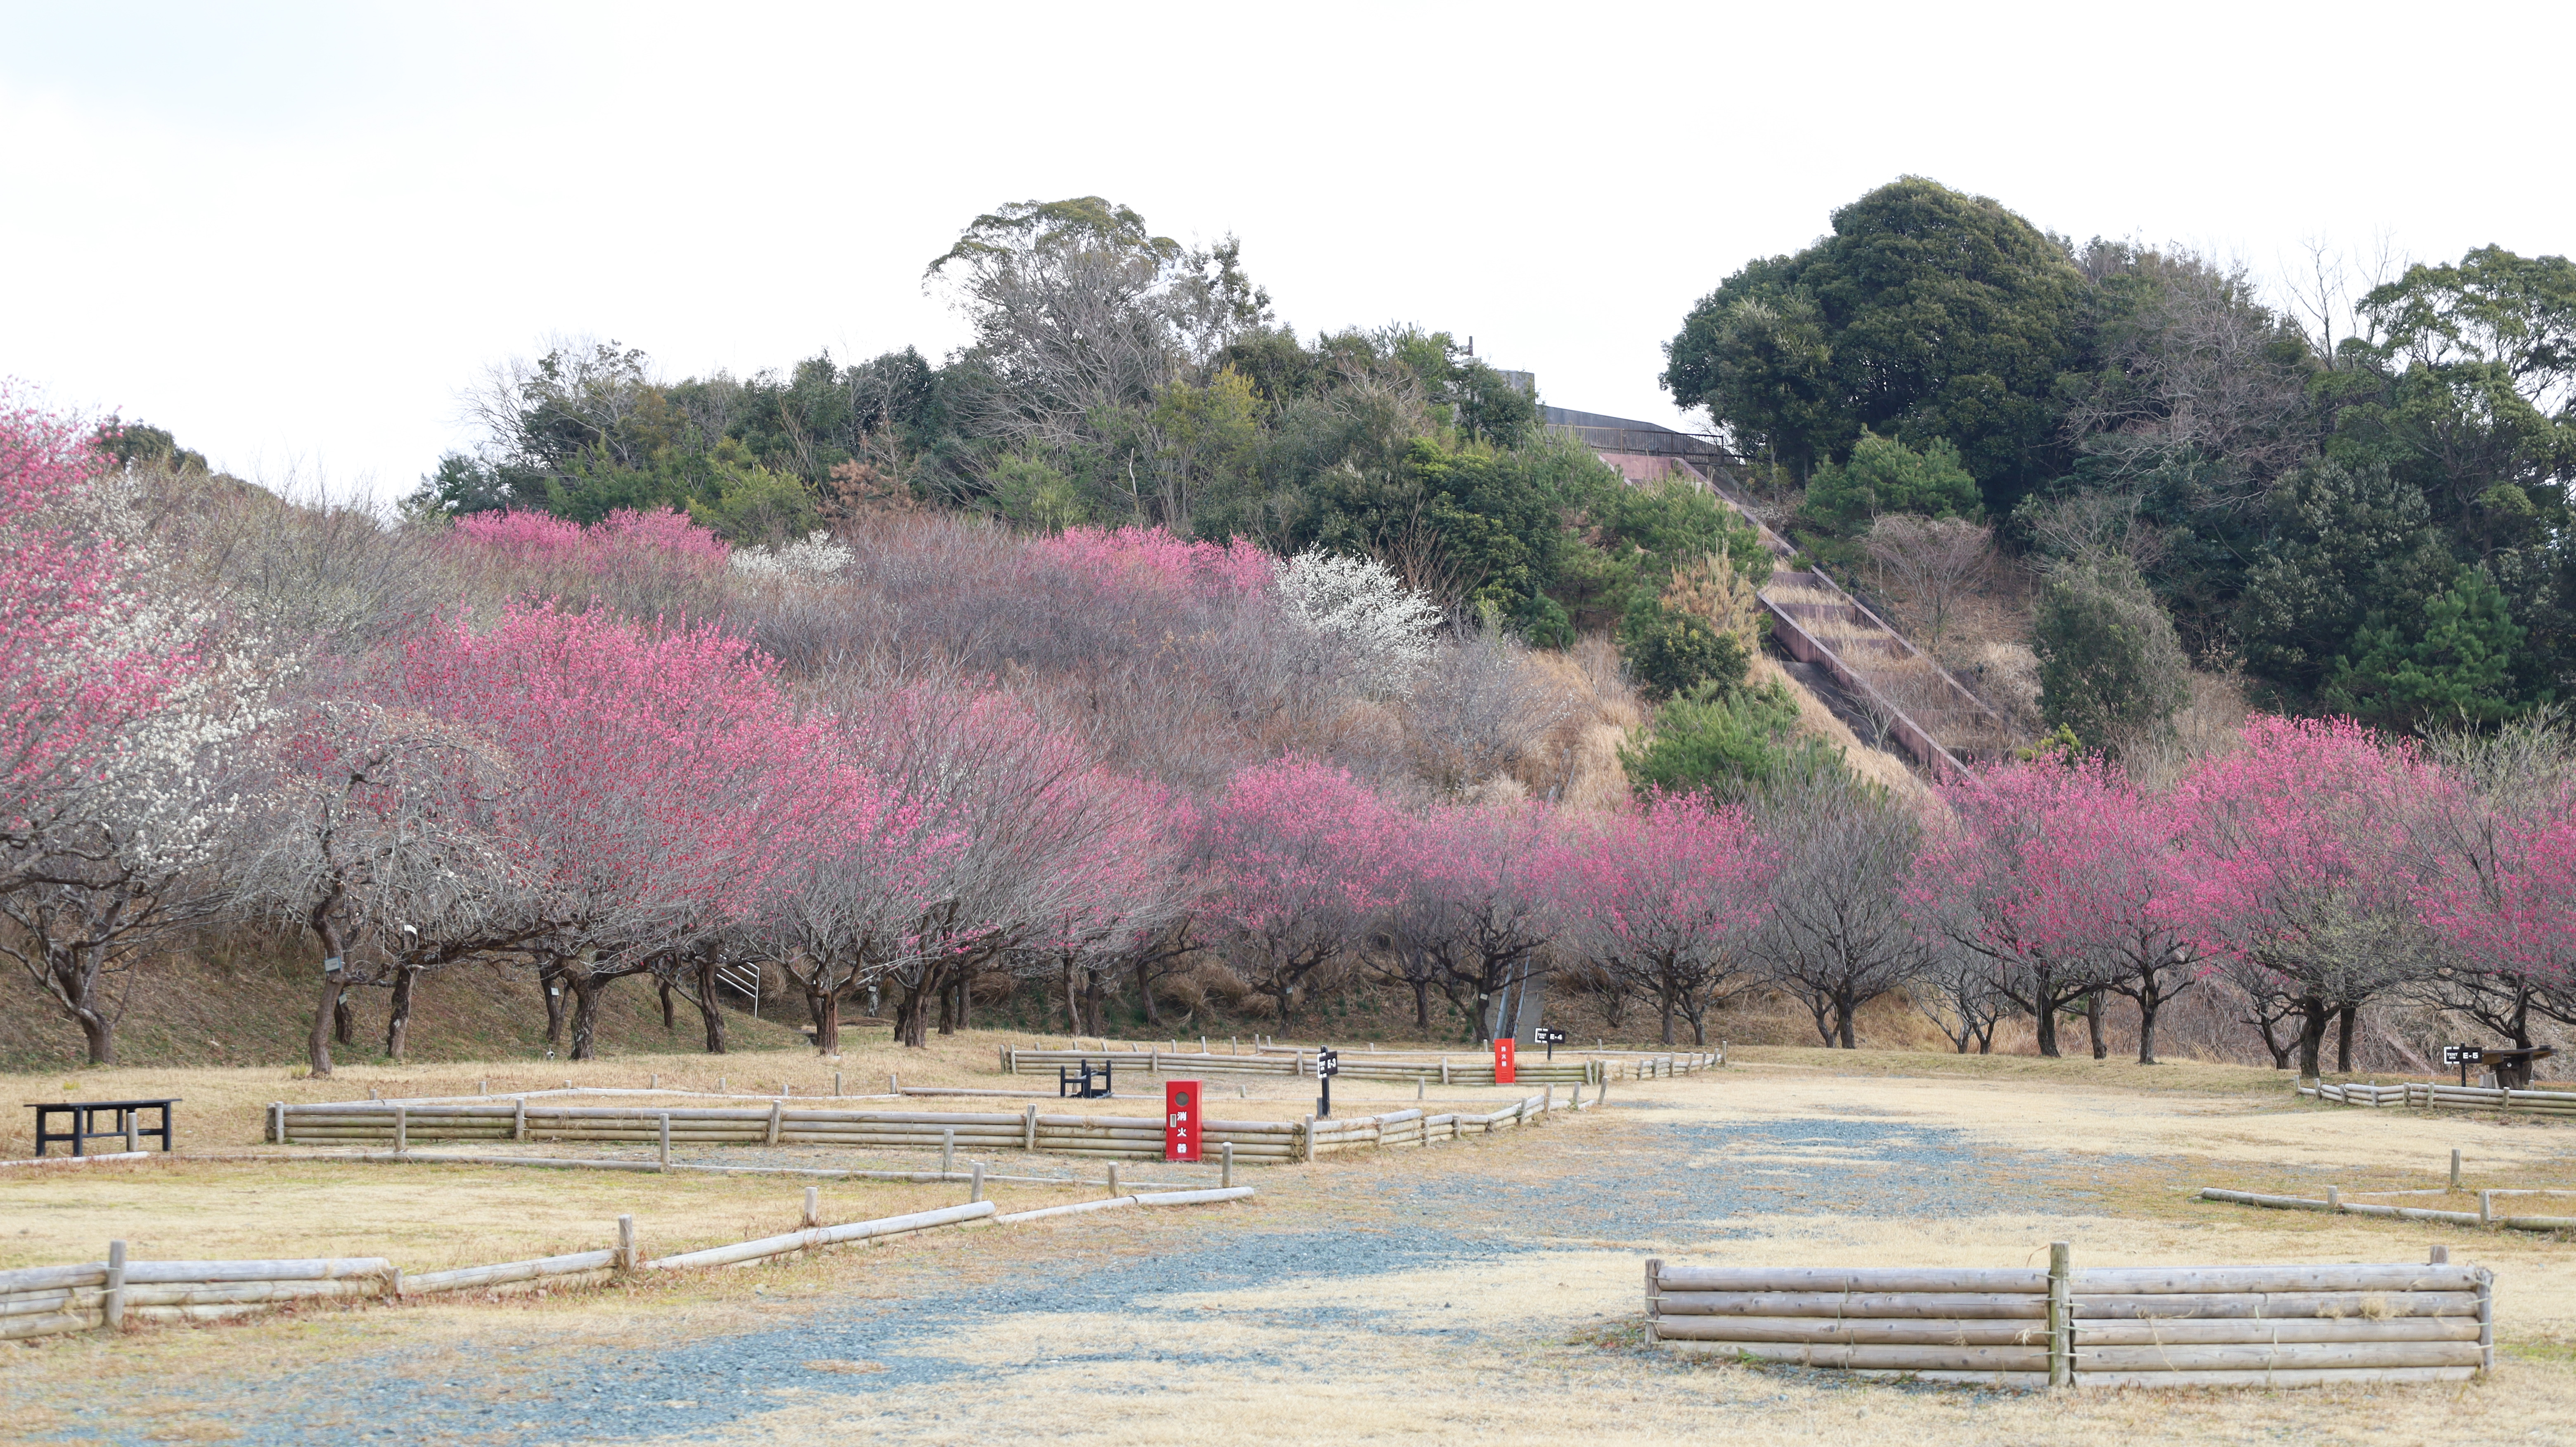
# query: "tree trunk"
(2093, 1020)
(398, 1018)
(823, 1003)
(98, 1033)
(2045, 1018)
(948, 1010)
(550, 979)
(344, 1021)
(1844, 1010)
(1422, 1007)
(334, 981)
(586, 990)
(318, 1049)
(2147, 1003)
(670, 1021)
(2313, 1015)
(1072, 1004)
(1145, 993)
(2343, 1040)
(708, 1008)
(966, 999)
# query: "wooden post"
(2441, 1256)
(653, 1081)
(977, 1193)
(2455, 1168)
(277, 1116)
(132, 1123)
(663, 1152)
(402, 1129)
(1306, 1140)
(784, 1090)
(1029, 1131)
(2486, 1208)
(2061, 1315)
(720, 1085)
(947, 1150)
(112, 1302)
(1654, 1294)
(1444, 1070)
(2486, 1320)
(777, 1117)
(626, 1244)
(483, 1086)
(813, 1205)
(894, 1082)
(1203, 1045)
(519, 1119)
(836, 1085)
(1153, 1062)
(1113, 1178)
(1234, 1045)
(1602, 1097)
(2334, 1198)
(1225, 1165)
(1420, 1085)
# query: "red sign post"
(1504, 1074)
(1183, 1123)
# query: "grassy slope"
(252, 1006)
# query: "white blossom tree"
(1361, 603)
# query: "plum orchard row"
(600, 797)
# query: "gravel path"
(1442, 1218)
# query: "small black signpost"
(2463, 1056)
(1549, 1038)
(1328, 1063)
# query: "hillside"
(250, 1005)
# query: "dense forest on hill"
(2358, 492)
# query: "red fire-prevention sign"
(1183, 1122)
(1504, 1074)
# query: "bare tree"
(1957, 992)
(1927, 565)
(1838, 935)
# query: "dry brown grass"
(1577, 762)
(1525, 1346)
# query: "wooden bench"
(84, 1116)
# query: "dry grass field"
(1487, 1289)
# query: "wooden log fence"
(2484, 1215)
(2434, 1095)
(1090, 1136)
(51, 1300)
(1452, 1070)
(2028, 1327)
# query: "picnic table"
(84, 1119)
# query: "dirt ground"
(1486, 1289)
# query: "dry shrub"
(2208, 724)
(1575, 762)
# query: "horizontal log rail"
(50, 1300)
(2485, 1215)
(2117, 1326)
(2434, 1095)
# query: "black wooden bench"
(1088, 1085)
(84, 1117)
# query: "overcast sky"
(292, 234)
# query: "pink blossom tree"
(2068, 880)
(2300, 866)
(85, 657)
(2503, 905)
(1668, 896)
(660, 779)
(1471, 907)
(1298, 859)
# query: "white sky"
(291, 234)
